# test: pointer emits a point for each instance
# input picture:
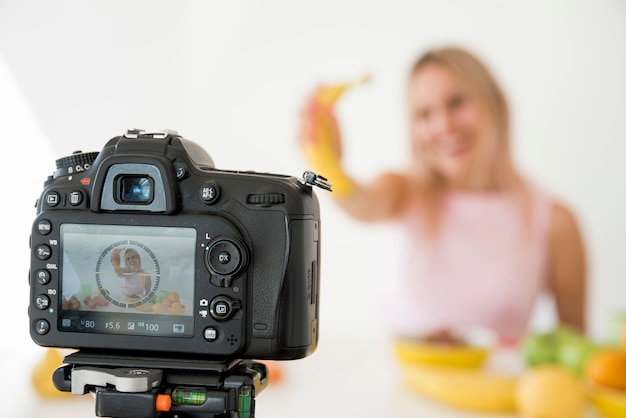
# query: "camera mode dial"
(74, 164)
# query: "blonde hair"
(496, 170)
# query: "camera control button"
(52, 199)
(209, 193)
(44, 227)
(225, 259)
(42, 302)
(181, 170)
(76, 198)
(43, 276)
(44, 252)
(223, 308)
(211, 334)
(42, 327)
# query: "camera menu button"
(44, 227)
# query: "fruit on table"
(416, 352)
(607, 367)
(549, 391)
(467, 347)
(562, 346)
(539, 349)
(610, 403)
(468, 389)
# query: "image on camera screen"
(119, 279)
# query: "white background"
(231, 75)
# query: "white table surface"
(342, 378)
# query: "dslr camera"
(145, 248)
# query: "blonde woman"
(476, 243)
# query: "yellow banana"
(322, 148)
(468, 389)
(328, 95)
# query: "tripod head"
(148, 387)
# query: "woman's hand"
(320, 138)
(115, 258)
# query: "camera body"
(147, 247)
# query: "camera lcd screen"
(136, 280)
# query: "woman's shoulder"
(562, 220)
(399, 190)
(561, 213)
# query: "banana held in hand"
(328, 95)
(321, 141)
(468, 389)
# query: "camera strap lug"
(140, 133)
(310, 178)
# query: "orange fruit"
(173, 297)
(549, 391)
(607, 367)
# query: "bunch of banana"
(470, 389)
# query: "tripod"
(127, 386)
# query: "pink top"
(482, 269)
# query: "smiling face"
(132, 260)
(450, 127)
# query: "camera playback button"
(52, 199)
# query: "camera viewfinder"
(136, 189)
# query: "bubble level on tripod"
(188, 396)
(245, 402)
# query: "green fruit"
(539, 349)
(574, 355)
(563, 346)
